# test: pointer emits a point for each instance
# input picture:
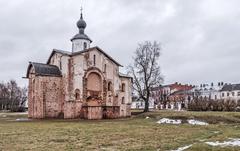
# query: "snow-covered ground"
(230, 142)
(177, 121)
(182, 148)
(196, 122)
(234, 142)
(169, 121)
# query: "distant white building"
(231, 92)
(210, 91)
(217, 92)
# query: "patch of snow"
(147, 117)
(182, 148)
(196, 122)
(169, 121)
(231, 142)
(4, 115)
(22, 119)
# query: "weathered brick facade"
(84, 83)
(84, 91)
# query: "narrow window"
(77, 94)
(85, 45)
(105, 68)
(233, 94)
(123, 100)
(238, 93)
(33, 85)
(109, 86)
(222, 94)
(94, 60)
(228, 94)
(123, 87)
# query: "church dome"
(81, 23)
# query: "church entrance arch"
(93, 90)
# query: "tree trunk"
(146, 109)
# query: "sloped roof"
(44, 69)
(181, 92)
(80, 52)
(231, 87)
(124, 75)
(81, 36)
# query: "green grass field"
(135, 133)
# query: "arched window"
(77, 94)
(94, 60)
(84, 45)
(123, 87)
(109, 86)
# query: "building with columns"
(82, 83)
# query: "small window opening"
(123, 100)
(85, 45)
(123, 87)
(77, 94)
(109, 86)
(94, 60)
(105, 68)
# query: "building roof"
(231, 87)
(44, 69)
(81, 36)
(124, 75)
(80, 52)
(181, 92)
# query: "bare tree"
(12, 97)
(146, 70)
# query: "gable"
(58, 51)
(101, 51)
(67, 53)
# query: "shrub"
(206, 104)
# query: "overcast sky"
(200, 39)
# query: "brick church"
(82, 83)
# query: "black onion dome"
(81, 23)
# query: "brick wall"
(45, 97)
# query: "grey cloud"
(199, 38)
